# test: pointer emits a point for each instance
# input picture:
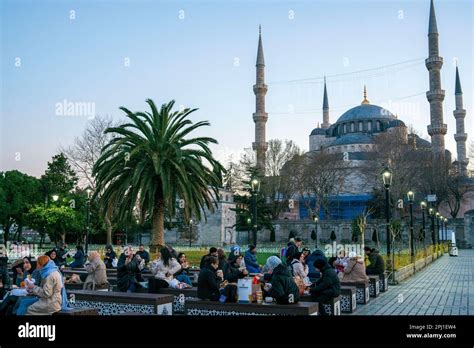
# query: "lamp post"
(249, 227)
(411, 200)
(432, 215)
(255, 186)
(88, 218)
(437, 227)
(423, 209)
(315, 219)
(387, 181)
(190, 231)
(445, 229)
(55, 198)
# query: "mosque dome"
(318, 131)
(366, 111)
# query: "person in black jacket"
(5, 281)
(291, 249)
(281, 285)
(128, 272)
(212, 252)
(110, 255)
(210, 281)
(233, 270)
(328, 286)
(377, 264)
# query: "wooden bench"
(78, 311)
(199, 307)
(362, 291)
(374, 289)
(113, 303)
(331, 307)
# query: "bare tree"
(84, 152)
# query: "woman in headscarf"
(25, 269)
(96, 273)
(110, 255)
(79, 258)
(50, 295)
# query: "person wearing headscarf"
(25, 269)
(79, 258)
(281, 285)
(50, 295)
(354, 272)
(96, 272)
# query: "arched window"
(352, 127)
(361, 126)
(369, 126)
(344, 128)
(378, 126)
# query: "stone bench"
(113, 303)
(331, 307)
(348, 299)
(78, 311)
(362, 291)
(383, 282)
(180, 297)
(199, 307)
(374, 288)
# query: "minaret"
(260, 116)
(460, 135)
(437, 129)
(325, 123)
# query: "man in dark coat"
(315, 255)
(209, 281)
(328, 286)
(143, 253)
(292, 249)
(212, 252)
(376, 263)
(232, 269)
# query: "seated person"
(300, 268)
(212, 252)
(328, 286)
(128, 271)
(23, 270)
(143, 254)
(222, 258)
(376, 263)
(233, 269)
(164, 269)
(315, 255)
(281, 285)
(96, 273)
(355, 270)
(79, 258)
(183, 274)
(53, 255)
(341, 261)
(250, 259)
(51, 293)
(110, 256)
(211, 285)
(5, 282)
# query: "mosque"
(353, 134)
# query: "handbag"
(300, 284)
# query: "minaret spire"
(460, 136)
(260, 117)
(437, 129)
(365, 101)
(325, 123)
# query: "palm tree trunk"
(158, 220)
(108, 223)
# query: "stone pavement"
(445, 287)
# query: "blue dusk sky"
(202, 54)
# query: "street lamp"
(387, 181)
(255, 186)
(249, 227)
(437, 227)
(445, 229)
(55, 198)
(190, 231)
(411, 200)
(432, 215)
(88, 218)
(315, 219)
(423, 209)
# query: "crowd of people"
(38, 287)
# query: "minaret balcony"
(435, 95)
(440, 128)
(260, 117)
(260, 146)
(260, 88)
(460, 136)
(434, 62)
(459, 113)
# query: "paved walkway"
(445, 287)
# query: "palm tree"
(150, 163)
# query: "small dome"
(366, 111)
(353, 138)
(318, 131)
(396, 123)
